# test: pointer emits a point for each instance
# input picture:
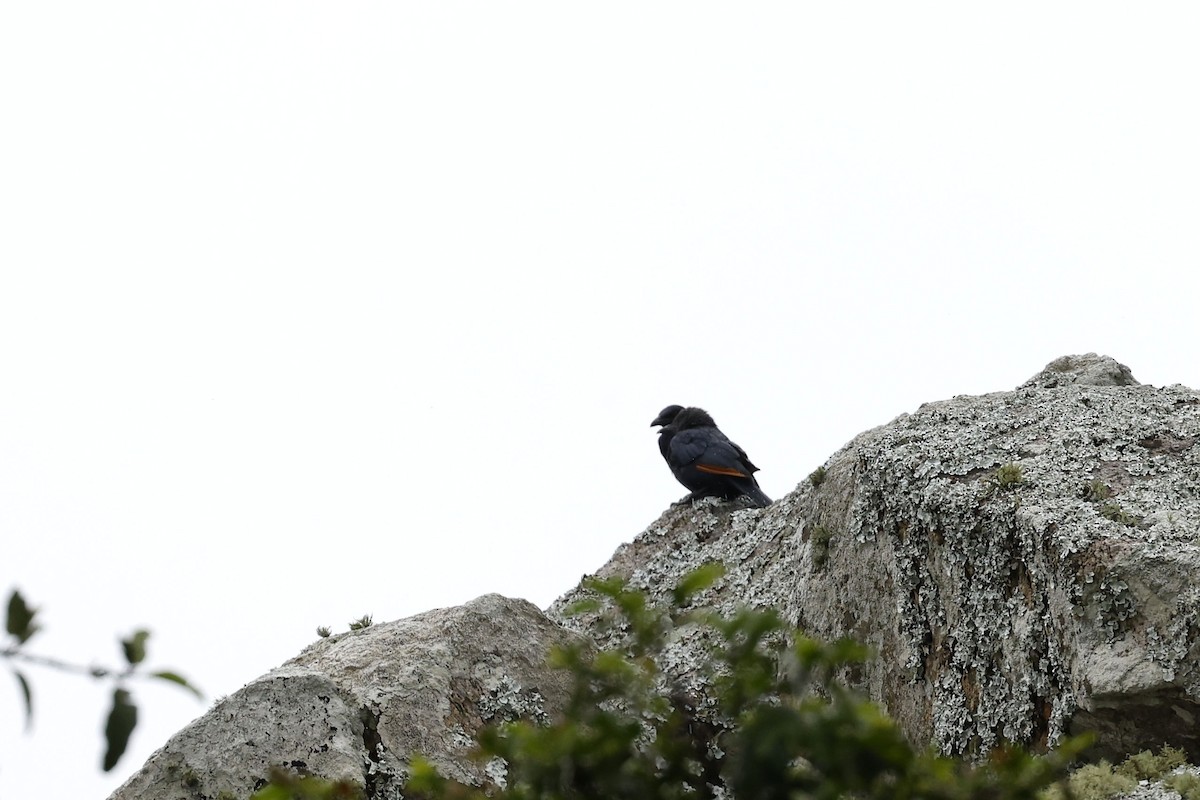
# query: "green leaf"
(273, 792)
(607, 587)
(20, 618)
(121, 721)
(697, 580)
(584, 606)
(175, 677)
(26, 693)
(135, 647)
(285, 785)
(424, 778)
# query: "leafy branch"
(21, 624)
(776, 722)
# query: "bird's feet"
(686, 500)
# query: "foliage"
(1103, 781)
(778, 724)
(285, 785)
(21, 625)
(817, 476)
(1112, 510)
(1008, 476)
(1148, 766)
(1096, 491)
(1091, 782)
(361, 623)
(1186, 783)
(820, 538)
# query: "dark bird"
(703, 459)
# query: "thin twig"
(17, 654)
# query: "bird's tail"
(757, 496)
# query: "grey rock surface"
(1086, 370)
(1023, 563)
(1056, 595)
(358, 704)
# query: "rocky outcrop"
(1022, 563)
(357, 705)
(1085, 370)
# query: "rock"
(1024, 563)
(1088, 370)
(358, 704)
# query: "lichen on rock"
(969, 549)
(1022, 563)
(357, 705)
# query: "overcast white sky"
(310, 310)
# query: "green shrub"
(1092, 782)
(1149, 766)
(819, 539)
(1112, 510)
(1008, 476)
(817, 477)
(1186, 783)
(776, 725)
(286, 785)
(1103, 781)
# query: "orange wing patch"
(711, 470)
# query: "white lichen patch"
(503, 699)
(496, 771)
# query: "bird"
(703, 458)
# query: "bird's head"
(667, 415)
(692, 417)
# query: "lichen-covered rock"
(1023, 562)
(1087, 370)
(358, 704)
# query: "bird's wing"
(742, 457)
(709, 451)
(664, 443)
(743, 460)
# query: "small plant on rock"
(819, 540)
(1150, 766)
(1008, 477)
(817, 477)
(362, 622)
(1091, 782)
(1113, 511)
(1102, 781)
(1186, 783)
